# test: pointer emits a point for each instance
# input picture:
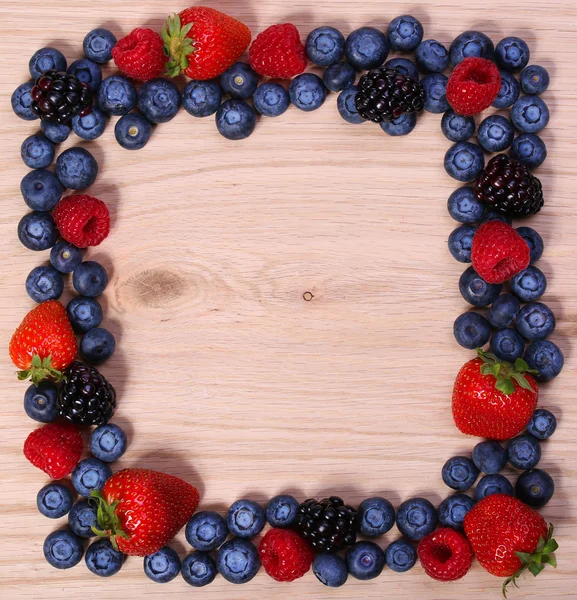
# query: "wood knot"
(155, 288)
(308, 296)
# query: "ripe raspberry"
(140, 54)
(278, 52)
(445, 554)
(499, 252)
(284, 555)
(55, 448)
(473, 86)
(82, 220)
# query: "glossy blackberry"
(86, 397)
(58, 96)
(509, 187)
(327, 525)
(385, 94)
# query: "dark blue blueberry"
(86, 71)
(507, 344)
(535, 487)
(492, 484)
(330, 569)
(108, 442)
(404, 66)
(37, 151)
(461, 242)
(90, 126)
(464, 206)
(55, 132)
(546, 358)
(476, 291)
(90, 474)
(54, 500)
(41, 402)
(237, 561)
(201, 98)
(159, 100)
(62, 549)
(471, 43)
(534, 241)
(21, 100)
(503, 311)
(435, 86)
(376, 516)
(65, 257)
(76, 168)
(529, 149)
(416, 518)
(471, 330)
(46, 59)
(509, 91)
(307, 92)
(457, 128)
(495, 133)
(98, 44)
(534, 79)
(245, 518)
(82, 517)
(325, 46)
(97, 345)
(452, 510)
(37, 231)
(464, 161)
(493, 215)
(365, 560)
(206, 531)
(116, 95)
(90, 279)
(542, 424)
(459, 473)
(366, 48)
(524, 452)
(346, 106)
(529, 285)
(402, 125)
(84, 313)
(530, 114)
(405, 33)
(235, 119)
(41, 189)
(132, 131)
(400, 556)
(489, 456)
(281, 511)
(535, 321)
(512, 54)
(102, 559)
(239, 81)
(271, 99)
(339, 77)
(199, 569)
(162, 566)
(432, 56)
(44, 283)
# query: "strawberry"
(142, 510)
(140, 55)
(202, 42)
(494, 399)
(473, 86)
(278, 52)
(445, 554)
(44, 344)
(509, 537)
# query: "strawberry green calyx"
(109, 525)
(535, 562)
(40, 369)
(506, 374)
(177, 46)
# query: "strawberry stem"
(177, 46)
(505, 373)
(109, 525)
(40, 369)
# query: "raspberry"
(278, 52)
(499, 252)
(284, 555)
(140, 54)
(473, 86)
(445, 554)
(82, 220)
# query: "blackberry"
(385, 94)
(327, 525)
(58, 96)
(86, 397)
(509, 187)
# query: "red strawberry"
(284, 555)
(509, 537)
(202, 42)
(82, 220)
(473, 86)
(55, 448)
(142, 510)
(278, 52)
(445, 554)
(494, 399)
(499, 252)
(44, 344)
(140, 55)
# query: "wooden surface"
(226, 375)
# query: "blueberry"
(90, 474)
(37, 151)
(461, 242)
(237, 561)
(366, 48)
(524, 452)
(98, 44)
(44, 283)
(82, 517)
(405, 33)
(535, 321)
(108, 442)
(91, 126)
(339, 76)
(54, 500)
(162, 566)
(489, 456)
(347, 108)
(235, 119)
(471, 330)
(493, 215)
(376, 516)
(464, 206)
(503, 311)
(55, 132)
(435, 86)
(529, 149)
(459, 473)
(546, 358)
(21, 100)
(432, 56)
(199, 569)
(206, 531)
(116, 95)
(41, 189)
(529, 285)
(405, 66)
(365, 560)
(495, 133)
(402, 125)
(65, 257)
(307, 92)
(453, 509)
(90, 279)
(62, 549)
(37, 231)
(330, 569)
(464, 161)
(471, 43)
(132, 131)
(97, 345)
(271, 99)
(102, 559)
(159, 100)
(542, 424)
(41, 402)
(76, 168)
(46, 59)
(457, 128)
(400, 556)
(507, 344)
(476, 291)
(239, 81)
(281, 511)
(530, 114)
(509, 91)
(245, 518)
(492, 484)
(533, 240)
(201, 98)
(534, 79)
(325, 46)
(84, 313)
(535, 487)
(512, 54)
(86, 71)
(416, 518)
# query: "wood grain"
(283, 306)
